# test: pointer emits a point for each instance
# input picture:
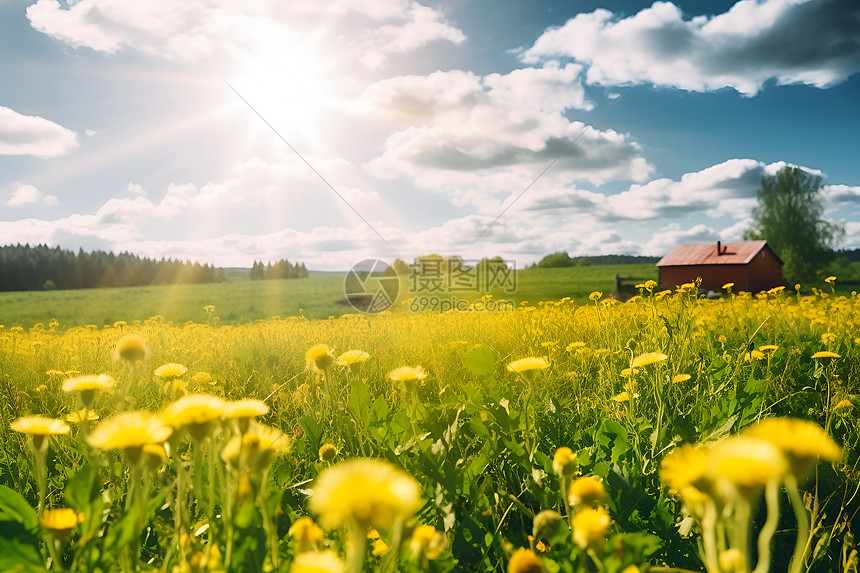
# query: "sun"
(284, 79)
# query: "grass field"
(236, 302)
(603, 437)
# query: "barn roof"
(740, 253)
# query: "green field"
(236, 302)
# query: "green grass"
(236, 302)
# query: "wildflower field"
(666, 433)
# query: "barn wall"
(713, 276)
(764, 273)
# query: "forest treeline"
(25, 267)
(282, 269)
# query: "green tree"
(790, 217)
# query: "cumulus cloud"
(673, 235)
(787, 41)
(726, 189)
(30, 195)
(471, 135)
(32, 135)
(208, 29)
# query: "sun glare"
(285, 82)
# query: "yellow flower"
(585, 491)
(596, 295)
(830, 279)
(87, 386)
(306, 533)
(825, 354)
(131, 348)
(170, 371)
(81, 415)
(621, 397)
(730, 559)
(427, 543)
(327, 452)
(628, 372)
(574, 345)
(685, 466)
(525, 561)
(748, 463)
(727, 286)
(527, 364)
(245, 408)
(203, 378)
(590, 526)
(828, 338)
(352, 357)
(802, 442)
(408, 375)
(678, 378)
(194, 412)
(843, 404)
(650, 285)
(129, 431)
(753, 355)
(257, 448)
(648, 358)
(39, 428)
(317, 562)
(319, 355)
(378, 546)
(365, 491)
(768, 348)
(60, 522)
(564, 462)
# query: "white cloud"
(673, 235)
(789, 41)
(725, 189)
(473, 136)
(32, 135)
(197, 30)
(30, 195)
(90, 132)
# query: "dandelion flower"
(528, 364)
(131, 348)
(203, 378)
(427, 543)
(407, 373)
(803, 442)
(243, 411)
(257, 448)
(678, 378)
(727, 286)
(768, 348)
(585, 491)
(748, 463)
(194, 412)
(40, 428)
(60, 522)
(825, 354)
(525, 561)
(306, 533)
(830, 279)
(368, 492)
(170, 371)
(327, 452)
(596, 295)
(843, 404)
(685, 466)
(590, 526)
(564, 462)
(353, 357)
(87, 386)
(317, 562)
(81, 415)
(621, 397)
(319, 355)
(574, 345)
(648, 358)
(129, 431)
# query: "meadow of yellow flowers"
(666, 433)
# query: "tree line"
(282, 269)
(40, 267)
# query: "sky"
(330, 132)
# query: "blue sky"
(142, 126)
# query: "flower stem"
(771, 496)
(802, 524)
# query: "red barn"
(751, 265)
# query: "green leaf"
(16, 556)
(313, 433)
(16, 507)
(82, 488)
(481, 361)
(359, 402)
